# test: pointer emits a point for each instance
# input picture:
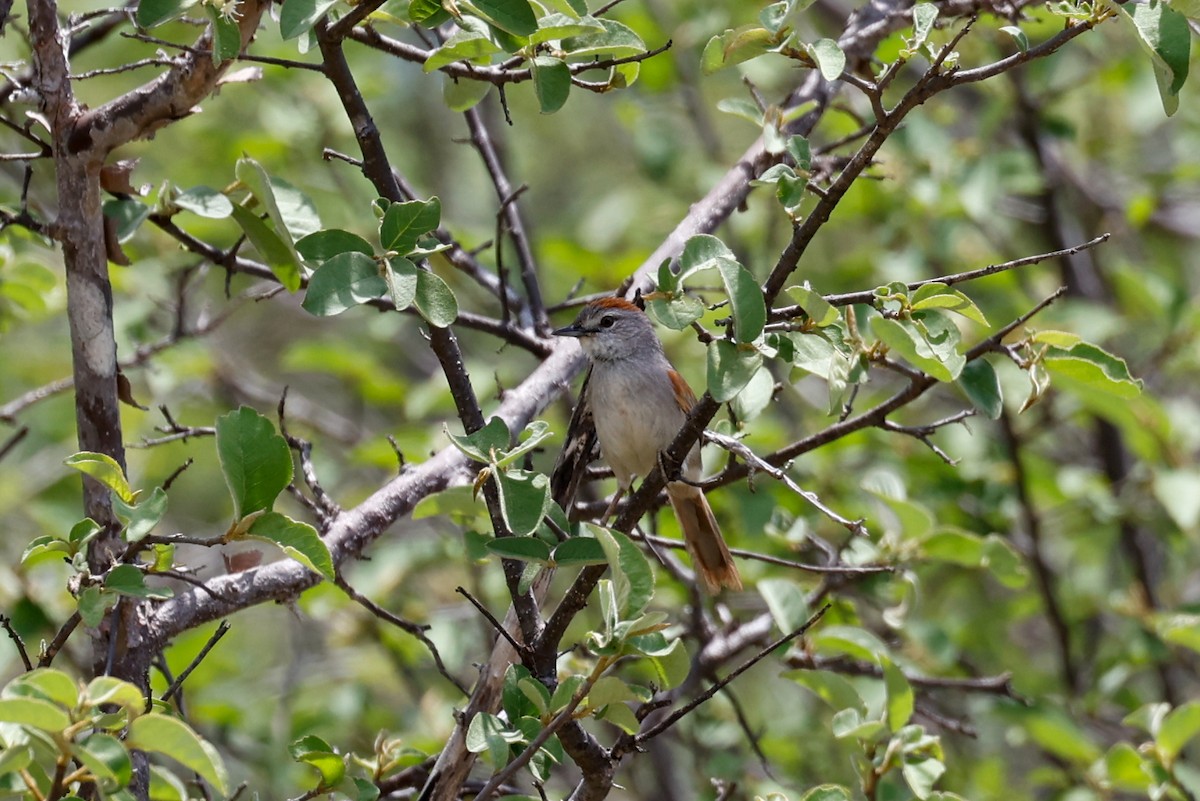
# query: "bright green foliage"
(255, 460)
(51, 719)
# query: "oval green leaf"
(173, 738)
(255, 460)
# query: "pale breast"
(636, 417)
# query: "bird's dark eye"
(607, 321)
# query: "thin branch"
(6, 623)
(415, 629)
(496, 624)
(868, 296)
(839, 570)
(60, 639)
(923, 433)
(13, 441)
(717, 686)
(177, 684)
(1000, 684)
(756, 463)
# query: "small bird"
(638, 402)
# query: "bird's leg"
(612, 506)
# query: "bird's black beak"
(572, 330)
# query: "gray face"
(611, 333)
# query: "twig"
(868, 296)
(1000, 684)
(222, 630)
(923, 432)
(717, 686)
(6, 622)
(842, 570)
(496, 624)
(755, 462)
(13, 441)
(59, 640)
(415, 629)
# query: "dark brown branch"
(717, 686)
(177, 684)
(60, 639)
(415, 629)
(6, 623)
(496, 624)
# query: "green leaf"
(402, 279)
(48, 684)
(404, 223)
(129, 580)
(298, 16)
(1094, 368)
(815, 306)
(173, 738)
(524, 549)
(562, 26)
(850, 723)
(735, 46)
(827, 792)
(749, 111)
(746, 300)
(1176, 491)
(1178, 728)
(936, 295)
(282, 260)
(227, 37)
(462, 94)
(15, 758)
(465, 44)
(434, 300)
(274, 242)
(105, 756)
(104, 469)
(1165, 35)
(128, 214)
(673, 665)
(932, 347)
(514, 16)
(830, 688)
(702, 252)
(786, 603)
(534, 434)
(111, 690)
(204, 201)
(314, 751)
(564, 692)
(551, 83)
(850, 640)
(344, 281)
(924, 15)
(617, 40)
(730, 368)
(428, 13)
(487, 732)
(621, 716)
(298, 540)
(45, 547)
(156, 12)
(609, 690)
(34, 712)
(140, 519)
(1125, 769)
(255, 460)
(922, 774)
(579, 551)
(831, 61)
(485, 445)
(899, 694)
(632, 577)
(324, 245)
(1018, 36)
(575, 8)
(524, 500)
(93, 603)
(979, 383)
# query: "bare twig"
(177, 684)
(496, 624)
(717, 686)
(6, 623)
(415, 629)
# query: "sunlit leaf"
(173, 738)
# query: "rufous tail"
(710, 555)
